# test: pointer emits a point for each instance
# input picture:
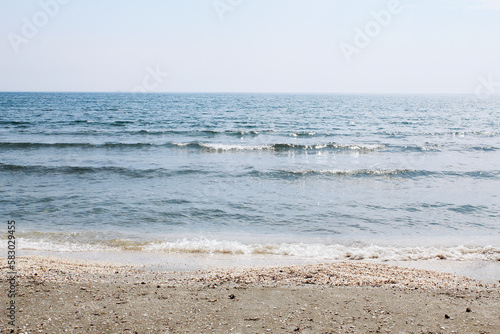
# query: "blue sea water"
(307, 175)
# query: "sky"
(303, 46)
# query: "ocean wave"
(418, 148)
(279, 173)
(483, 148)
(282, 146)
(200, 145)
(123, 122)
(299, 249)
(202, 133)
(358, 172)
(83, 121)
(441, 133)
(231, 147)
(31, 145)
(224, 147)
(114, 123)
(388, 172)
(131, 172)
(14, 122)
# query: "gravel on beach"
(57, 295)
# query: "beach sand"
(62, 295)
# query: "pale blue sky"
(431, 46)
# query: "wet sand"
(61, 295)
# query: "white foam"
(350, 172)
(359, 147)
(235, 147)
(49, 246)
(296, 249)
(331, 252)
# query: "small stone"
(231, 296)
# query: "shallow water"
(305, 176)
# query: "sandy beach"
(58, 295)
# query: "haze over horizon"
(295, 46)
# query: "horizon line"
(243, 92)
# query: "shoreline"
(485, 271)
(56, 294)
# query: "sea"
(284, 178)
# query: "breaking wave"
(75, 242)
